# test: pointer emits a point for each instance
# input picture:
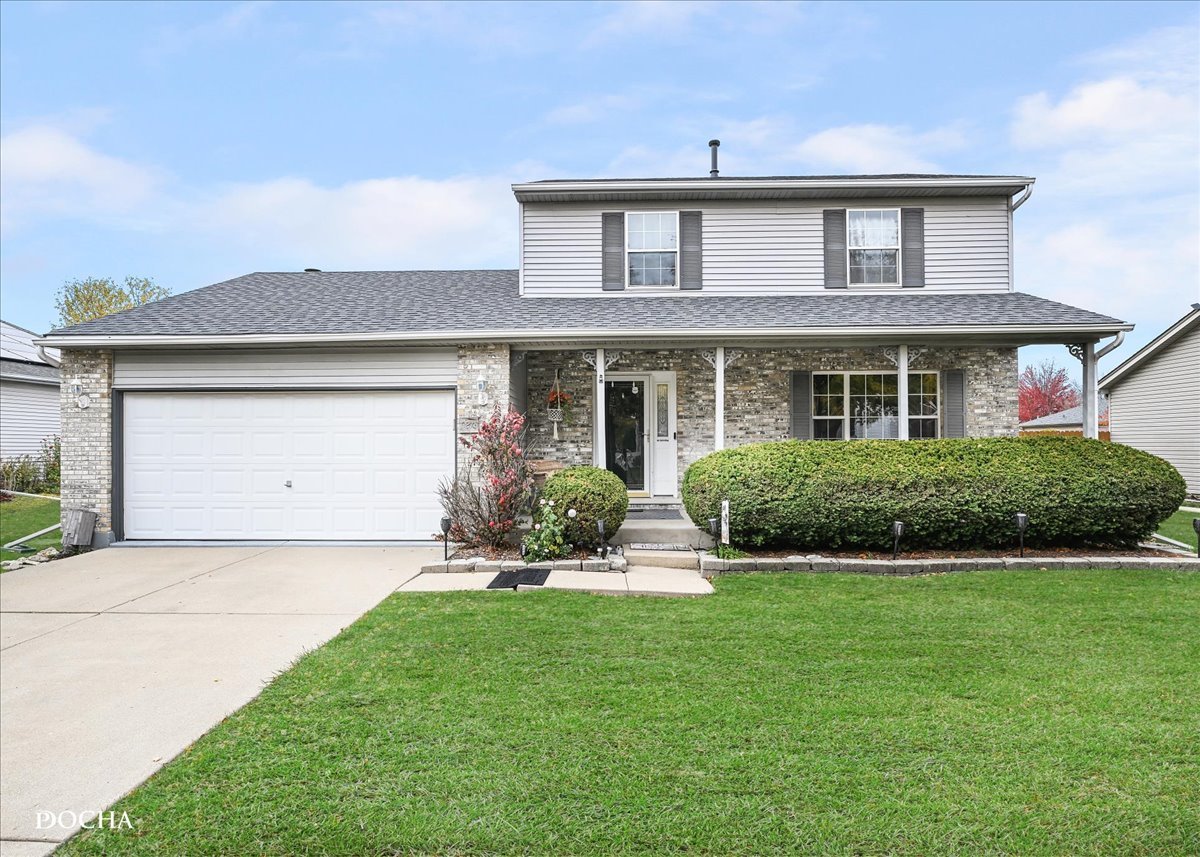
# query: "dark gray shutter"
(691, 275)
(835, 248)
(912, 247)
(954, 402)
(613, 276)
(802, 405)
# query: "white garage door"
(286, 465)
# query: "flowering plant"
(484, 512)
(546, 540)
(562, 400)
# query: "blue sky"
(195, 142)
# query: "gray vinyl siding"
(278, 368)
(1157, 406)
(28, 414)
(768, 248)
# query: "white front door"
(286, 465)
(640, 427)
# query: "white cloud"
(46, 171)
(878, 148)
(659, 18)
(389, 222)
(1107, 110)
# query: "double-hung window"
(652, 248)
(857, 405)
(873, 245)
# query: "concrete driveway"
(113, 662)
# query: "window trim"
(676, 251)
(899, 250)
(846, 416)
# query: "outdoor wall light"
(446, 536)
(481, 386)
(897, 532)
(1196, 527)
(1022, 522)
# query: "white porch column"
(1091, 419)
(902, 390)
(600, 443)
(719, 407)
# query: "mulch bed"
(510, 553)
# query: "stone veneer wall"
(87, 465)
(492, 363)
(757, 393)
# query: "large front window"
(873, 242)
(856, 405)
(652, 247)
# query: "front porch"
(683, 403)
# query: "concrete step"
(662, 559)
(668, 532)
(648, 580)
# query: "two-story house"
(650, 322)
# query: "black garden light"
(1022, 522)
(714, 527)
(446, 536)
(603, 540)
(1196, 527)
(897, 532)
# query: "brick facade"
(491, 363)
(87, 464)
(757, 392)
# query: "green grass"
(24, 515)
(983, 713)
(1179, 527)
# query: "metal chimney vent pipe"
(714, 145)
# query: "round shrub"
(595, 495)
(949, 493)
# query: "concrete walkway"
(638, 580)
(113, 662)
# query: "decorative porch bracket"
(600, 357)
(1085, 353)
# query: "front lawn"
(1179, 527)
(982, 713)
(24, 515)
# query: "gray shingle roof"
(866, 177)
(24, 370)
(409, 302)
(1069, 417)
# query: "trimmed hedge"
(595, 495)
(949, 493)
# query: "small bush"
(950, 493)
(547, 539)
(485, 499)
(595, 495)
(34, 474)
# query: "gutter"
(580, 334)
(46, 358)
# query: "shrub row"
(34, 474)
(950, 493)
(595, 495)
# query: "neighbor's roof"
(1069, 417)
(1164, 339)
(475, 306)
(770, 187)
(33, 373)
(16, 343)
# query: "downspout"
(1013, 206)
(1116, 343)
(53, 361)
(1019, 201)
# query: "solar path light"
(1022, 522)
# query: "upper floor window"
(873, 242)
(652, 248)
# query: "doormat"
(653, 546)
(521, 577)
(663, 513)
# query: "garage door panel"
(362, 465)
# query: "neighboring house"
(1154, 398)
(681, 315)
(29, 397)
(1068, 421)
